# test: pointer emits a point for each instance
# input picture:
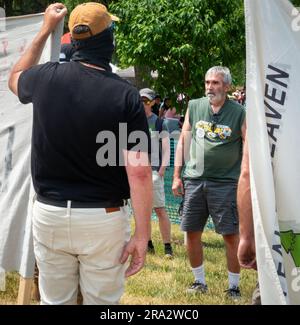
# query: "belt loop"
(69, 208)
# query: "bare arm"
(161, 113)
(244, 129)
(53, 15)
(246, 250)
(182, 147)
(140, 182)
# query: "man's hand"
(53, 15)
(137, 249)
(246, 254)
(177, 187)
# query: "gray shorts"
(204, 198)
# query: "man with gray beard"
(216, 127)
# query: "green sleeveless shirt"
(216, 146)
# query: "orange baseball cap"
(92, 15)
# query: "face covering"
(96, 50)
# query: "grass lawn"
(164, 281)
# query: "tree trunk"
(142, 76)
(8, 8)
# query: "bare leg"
(231, 244)
(194, 248)
(164, 224)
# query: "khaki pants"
(80, 246)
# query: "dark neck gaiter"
(95, 50)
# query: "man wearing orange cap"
(81, 223)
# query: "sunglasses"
(146, 101)
(214, 123)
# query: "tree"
(24, 7)
(180, 39)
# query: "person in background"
(160, 154)
(66, 49)
(165, 106)
(66, 52)
(156, 105)
(171, 113)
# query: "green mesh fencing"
(172, 202)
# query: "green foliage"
(23, 7)
(180, 39)
(296, 2)
(71, 4)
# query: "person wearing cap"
(160, 154)
(156, 105)
(81, 225)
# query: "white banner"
(16, 250)
(273, 115)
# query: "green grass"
(9, 297)
(164, 281)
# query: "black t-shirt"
(72, 103)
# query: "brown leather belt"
(110, 210)
(107, 205)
